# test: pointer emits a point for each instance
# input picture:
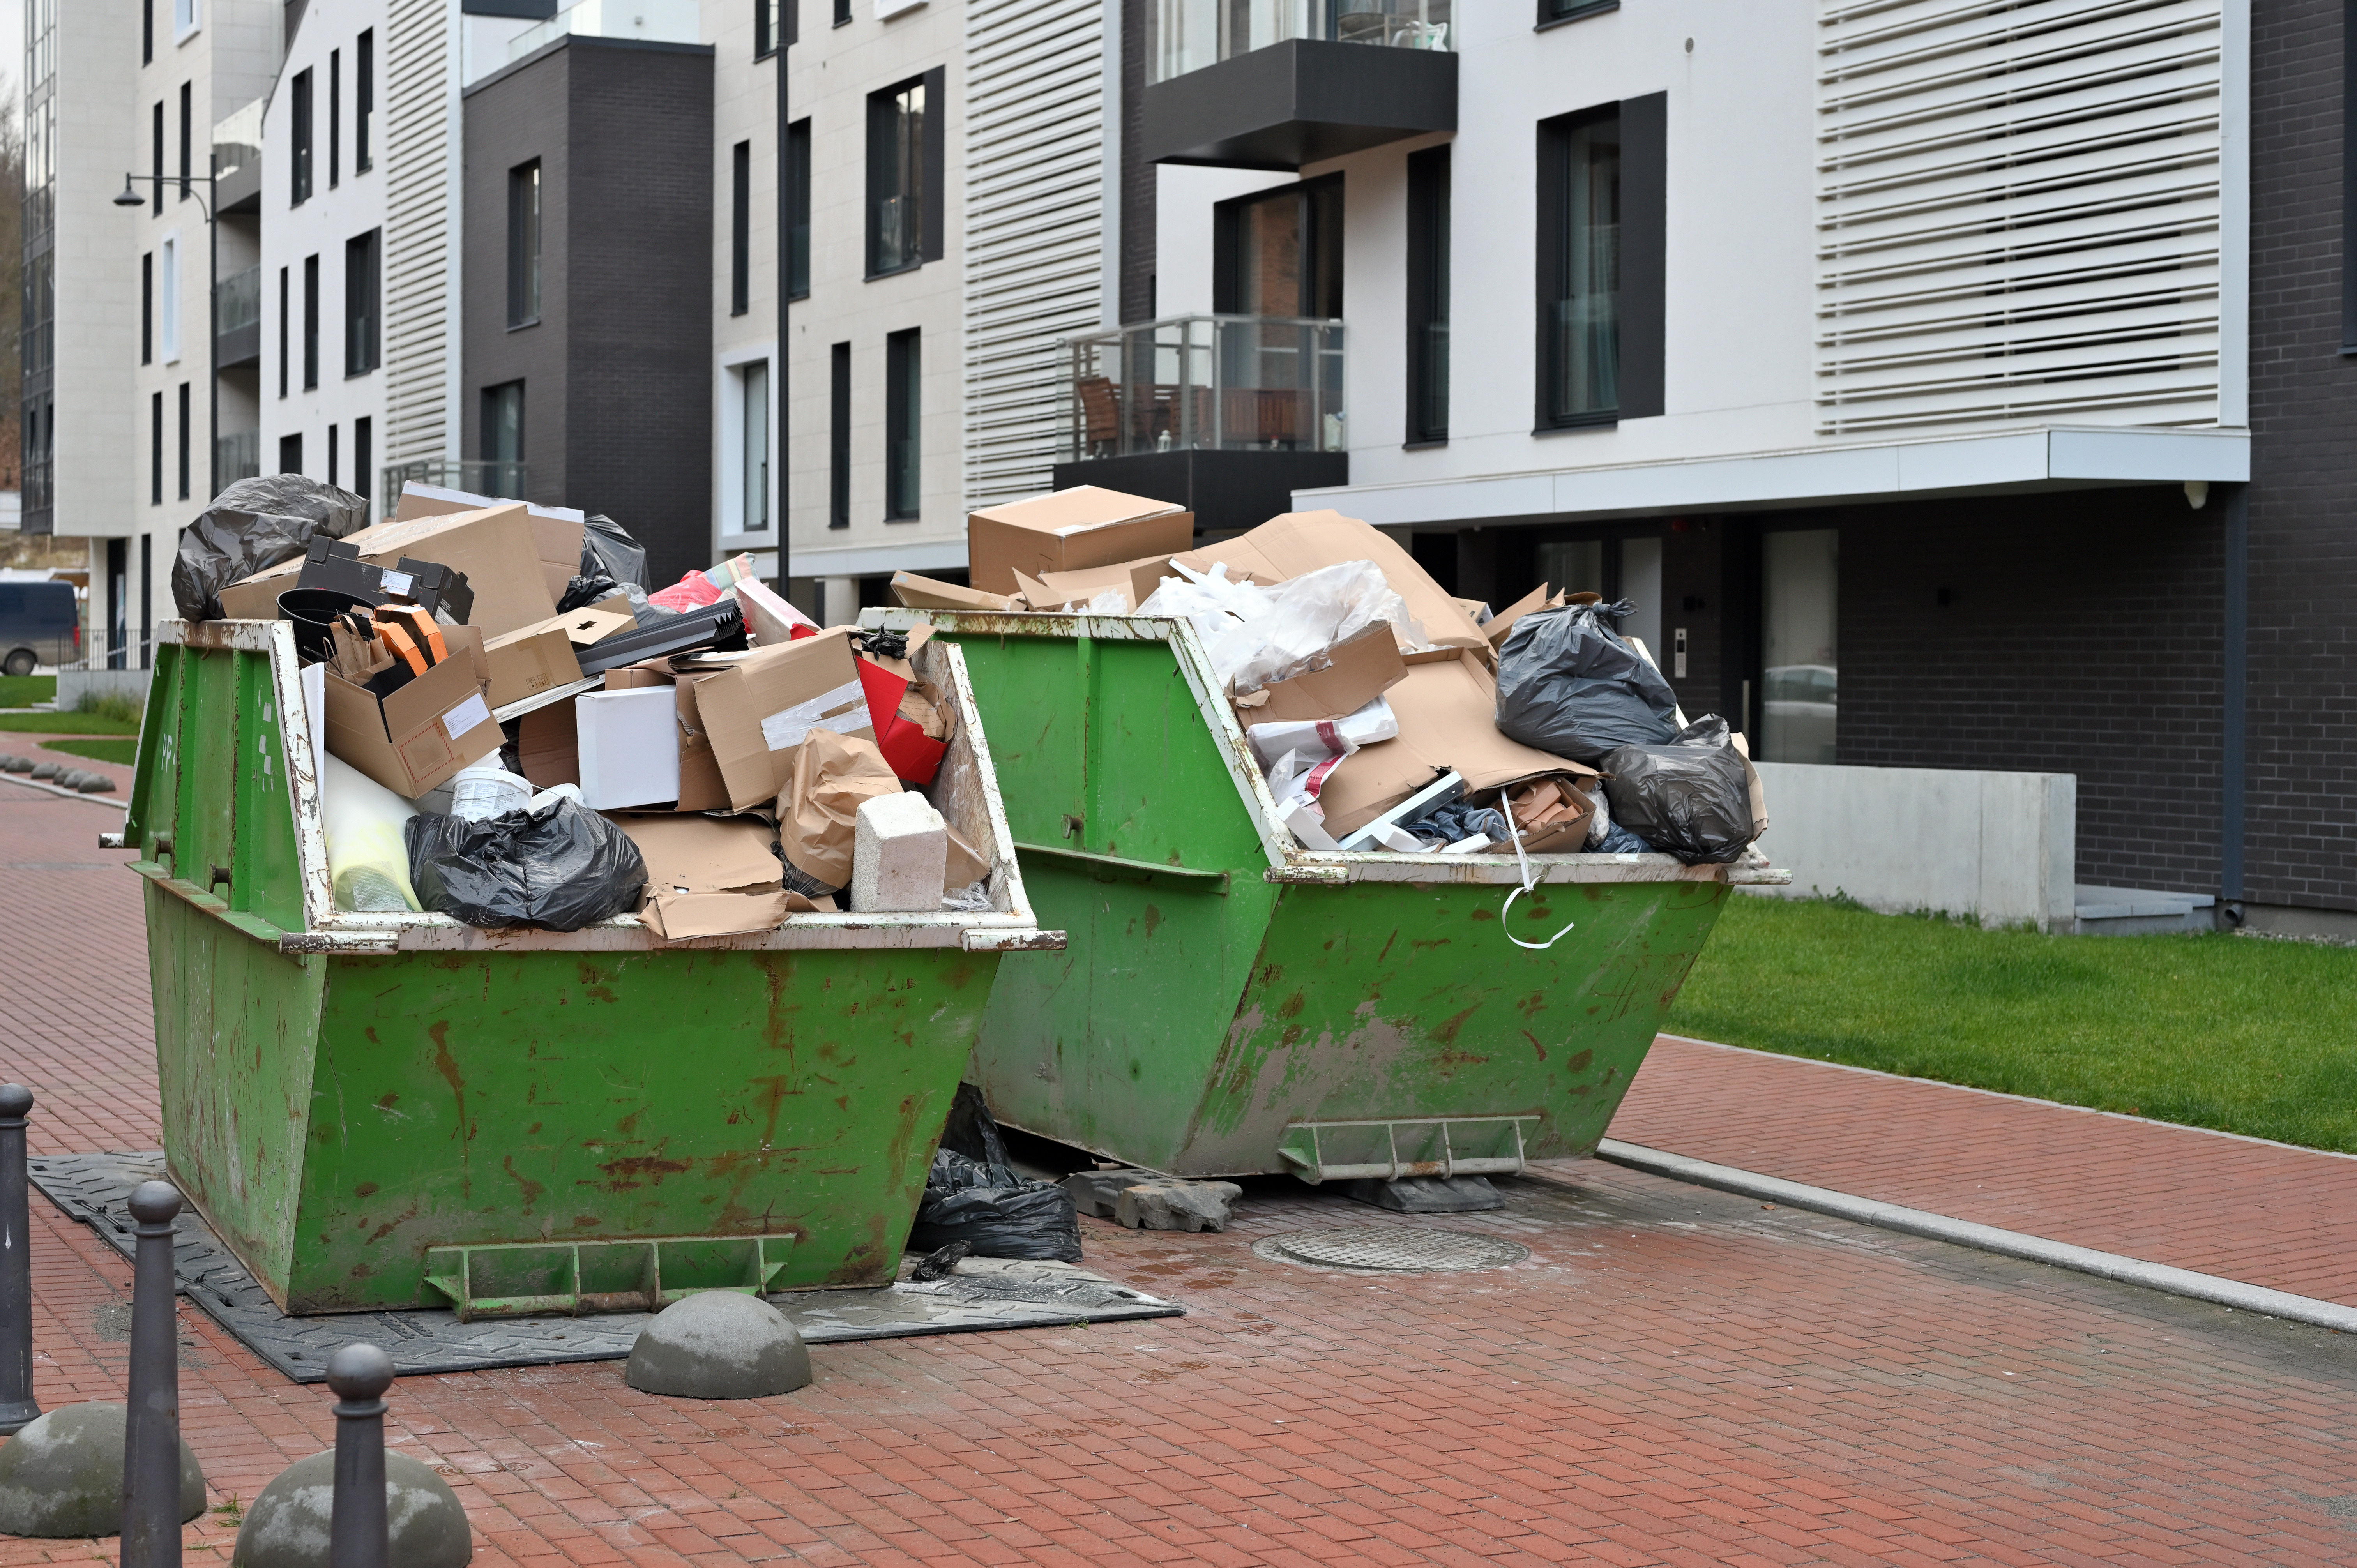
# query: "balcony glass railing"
(502, 481)
(1191, 34)
(1229, 384)
(238, 455)
(237, 301)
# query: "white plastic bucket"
(485, 789)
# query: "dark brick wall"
(618, 397)
(1137, 184)
(2082, 636)
(2301, 841)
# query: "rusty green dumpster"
(391, 1111)
(1230, 1004)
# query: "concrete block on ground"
(1095, 1192)
(1163, 1205)
(62, 1475)
(719, 1345)
(900, 853)
(286, 1526)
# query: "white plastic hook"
(1529, 882)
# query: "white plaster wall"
(97, 268)
(1183, 198)
(1999, 845)
(744, 108)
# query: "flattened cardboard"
(494, 548)
(528, 663)
(758, 711)
(931, 594)
(1503, 621)
(1363, 668)
(555, 531)
(421, 734)
(1134, 580)
(704, 854)
(701, 788)
(685, 916)
(1298, 542)
(1070, 531)
(1446, 715)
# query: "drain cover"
(1395, 1248)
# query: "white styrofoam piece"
(629, 747)
(900, 854)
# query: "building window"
(798, 209)
(1800, 579)
(1602, 233)
(740, 225)
(1280, 254)
(843, 13)
(156, 449)
(1428, 294)
(167, 301)
(364, 453)
(290, 454)
(184, 20)
(363, 271)
(310, 322)
(765, 28)
(753, 446)
(904, 175)
(331, 455)
(299, 163)
(1553, 11)
(184, 441)
(188, 138)
(147, 32)
(335, 146)
(503, 439)
(903, 425)
(838, 436)
(523, 244)
(147, 308)
(363, 98)
(157, 128)
(285, 333)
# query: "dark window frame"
(335, 133)
(147, 32)
(1640, 262)
(187, 139)
(1428, 208)
(888, 178)
(1326, 191)
(843, 13)
(491, 403)
(364, 455)
(838, 436)
(285, 324)
(524, 244)
(311, 323)
(147, 307)
(157, 207)
(1560, 13)
(798, 209)
(363, 97)
(299, 163)
(156, 449)
(290, 453)
(904, 396)
(363, 303)
(765, 28)
(184, 440)
(740, 227)
(332, 477)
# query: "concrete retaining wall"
(72, 683)
(1999, 845)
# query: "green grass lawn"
(24, 691)
(125, 751)
(67, 724)
(2234, 1032)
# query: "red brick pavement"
(2260, 1212)
(1675, 1376)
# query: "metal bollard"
(356, 1534)
(151, 1438)
(18, 1407)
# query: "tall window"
(838, 436)
(364, 453)
(1579, 269)
(798, 209)
(147, 308)
(1280, 254)
(753, 402)
(335, 145)
(740, 225)
(290, 454)
(363, 98)
(904, 175)
(523, 244)
(184, 441)
(1428, 294)
(503, 439)
(156, 449)
(298, 162)
(158, 133)
(167, 301)
(1800, 581)
(362, 271)
(310, 322)
(903, 427)
(765, 28)
(842, 13)
(285, 330)
(332, 477)
(188, 138)
(184, 18)
(147, 38)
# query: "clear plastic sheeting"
(1257, 636)
(368, 862)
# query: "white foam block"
(900, 853)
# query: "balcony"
(1278, 83)
(502, 481)
(237, 320)
(1227, 415)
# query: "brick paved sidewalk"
(2261, 1213)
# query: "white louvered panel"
(2018, 208)
(418, 320)
(1033, 229)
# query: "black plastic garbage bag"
(972, 1131)
(255, 523)
(1569, 686)
(1691, 797)
(1003, 1215)
(563, 866)
(607, 550)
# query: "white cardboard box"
(629, 746)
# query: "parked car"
(39, 623)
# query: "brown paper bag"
(818, 811)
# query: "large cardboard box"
(1070, 531)
(493, 548)
(1299, 542)
(542, 658)
(556, 530)
(756, 713)
(1447, 708)
(422, 734)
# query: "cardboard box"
(1362, 668)
(758, 711)
(1503, 621)
(931, 594)
(528, 663)
(1135, 580)
(701, 787)
(1069, 531)
(629, 746)
(493, 547)
(422, 734)
(709, 877)
(1298, 542)
(556, 530)
(1447, 711)
(548, 745)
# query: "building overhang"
(1296, 102)
(2013, 462)
(878, 558)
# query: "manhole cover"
(1398, 1248)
